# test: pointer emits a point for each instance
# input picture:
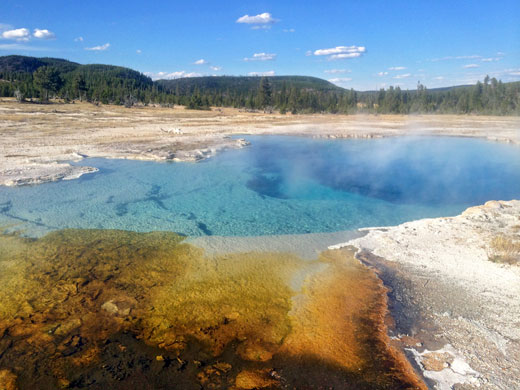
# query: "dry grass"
(504, 250)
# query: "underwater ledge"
(124, 310)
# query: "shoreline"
(469, 339)
(38, 140)
(451, 341)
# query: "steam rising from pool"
(278, 185)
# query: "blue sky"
(358, 44)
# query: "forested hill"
(43, 78)
(70, 80)
(245, 84)
(23, 64)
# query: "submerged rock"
(258, 379)
(7, 380)
(104, 309)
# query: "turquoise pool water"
(278, 185)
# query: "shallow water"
(105, 309)
(278, 185)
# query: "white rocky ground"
(38, 140)
(458, 311)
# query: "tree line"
(27, 78)
(489, 97)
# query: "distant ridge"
(247, 83)
(23, 64)
(14, 63)
(21, 76)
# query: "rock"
(493, 204)
(7, 380)
(120, 307)
(258, 379)
(232, 316)
(254, 352)
(67, 327)
(436, 361)
(63, 383)
(110, 307)
(224, 367)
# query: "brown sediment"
(341, 320)
(112, 309)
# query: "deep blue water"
(278, 185)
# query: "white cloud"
(21, 46)
(261, 57)
(402, 76)
(512, 72)
(43, 34)
(288, 30)
(99, 48)
(381, 74)
(19, 34)
(470, 66)
(138, 51)
(264, 18)
(506, 75)
(501, 53)
(344, 56)
(308, 53)
(165, 75)
(471, 57)
(337, 71)
(397, 68)
(268, 73)
(340, 80)
(193, 74)
(200, 62)
(171, 75)
(78, 39)
(491, 59)
(215, 68)
(261, 27)
(439, 78)
(341, 52)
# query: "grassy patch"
(504, 250)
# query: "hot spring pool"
(278, 185)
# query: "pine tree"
(79, 86)
(264, 94)
(47, 79)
